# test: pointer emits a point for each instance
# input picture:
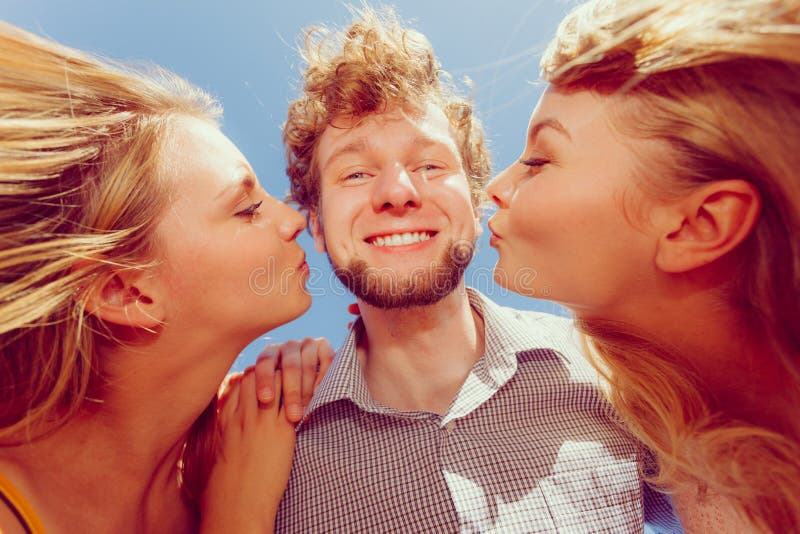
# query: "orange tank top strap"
(13, 499)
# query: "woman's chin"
(299, 305)
(522, 281)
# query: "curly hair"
(373, 64)
(718, 81)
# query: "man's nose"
(395, 190)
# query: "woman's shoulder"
(16, 513)
(10, 522)
(702, 512)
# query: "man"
(442, 411)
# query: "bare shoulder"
(9, 522)
(11, 497)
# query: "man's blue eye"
(356, 176)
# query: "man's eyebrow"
(426, 142)
(423, 141)
(547, 123)
(355, 146)
(361, 145)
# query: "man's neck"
(417, 359)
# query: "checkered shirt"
(528, 445)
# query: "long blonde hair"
(79, 147)
(719, 82)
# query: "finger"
(265, 372)
(325, 354)
(224, 389)
(229, 396)
(276, 408)
(248, 402)
(354, 309)
(291, 379)
(280, 407)
(309, 354)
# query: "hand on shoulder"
(302, 364)
(252, 461)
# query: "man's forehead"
(346, 134)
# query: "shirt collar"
(506, 333)
(344, 379)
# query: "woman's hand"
(302, 363)
(252, 462)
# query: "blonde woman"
(130, 228)
(657, 197)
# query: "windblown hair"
(718, 81)
(367, 68)
(79, 193)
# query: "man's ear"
(706, 224)
(476, 214)
(127, 297)
(316, 231)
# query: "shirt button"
(451, 426)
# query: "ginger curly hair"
(366, 68)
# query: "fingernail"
(294, 411)
(265, 394)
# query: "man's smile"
(396, 239)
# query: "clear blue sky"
(243, 52)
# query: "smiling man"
(442, 412)
(402, 227)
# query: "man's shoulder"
(532, 329)
(535, 334)
(540, 322)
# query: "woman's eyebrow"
(246, 183)
(554, 124)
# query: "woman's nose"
(293, 222)
(501, 189)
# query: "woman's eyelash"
(534, 162)
(250, 210)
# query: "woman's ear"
(706, 224)
(127, 297)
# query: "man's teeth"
(395, 240)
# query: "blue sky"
(243, 52)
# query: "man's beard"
(384, 288)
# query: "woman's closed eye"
(251, 210)
(534, 162)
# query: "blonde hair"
(366, 68)
(719, 82)
(79, 150)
